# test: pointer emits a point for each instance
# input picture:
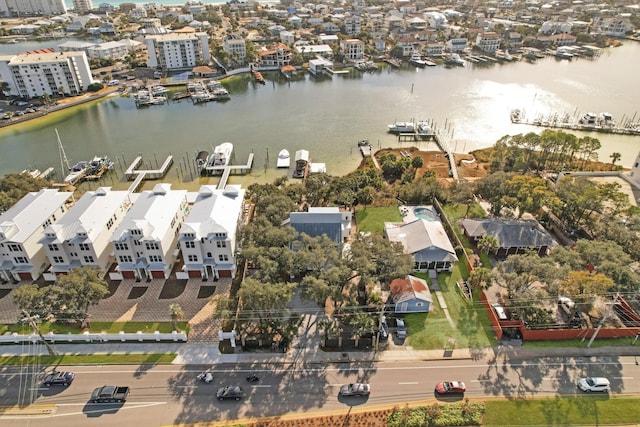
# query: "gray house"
(317, 221)
(410, 295)
(426, 241)
(513, 236)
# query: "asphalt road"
(165, 395)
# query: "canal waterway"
(469, 106)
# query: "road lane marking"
(482, 381)
(39, 388)
(413, 382)
(622, 378)
(263, 386)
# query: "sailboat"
(75, 172)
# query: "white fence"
(88, 337)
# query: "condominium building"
(82, 6)
(46, 71)
(10, 8)
(175, 51)
(22, 257)
(236, 47)
(279, 55)
(144, 244)
(208, 235)
(83, 236)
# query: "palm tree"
(176, 313)
(488, 244)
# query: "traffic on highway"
(165, 395)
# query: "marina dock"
(227, 169)
(588, 122)
(140, 175)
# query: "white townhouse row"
(208, 237)
(178, 50)
(144, 243)
(43, 235)
(22, 257)
(10, 8)
(33, 74)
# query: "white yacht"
(416, 59)
(402, 127)
(221, 154)
(284, 161)
(424, 129)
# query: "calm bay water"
(469, 105)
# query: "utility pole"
(604, 318)
(33, 322)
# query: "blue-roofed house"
(513, 236)
(424, 238)
(410, 295)
(333, 222)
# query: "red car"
(450, 387)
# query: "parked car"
(401, 329)
(59, 378)
(383, 333)
(19, 113)
(230, 392)
(594, 384)
(355, 389)
(29, 110)
(450, 387)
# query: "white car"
(594, 384)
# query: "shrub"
(94, 87)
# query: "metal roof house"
(144, 244)
(82, 236)
(22, 257)
(317, 221)
(426, 241)
(410, 295)
(513, 236)
(208, 235)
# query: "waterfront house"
(82, 236)
(425, 239)
(513, 236)
(410, 295)
(331, 221)
(352, 49)
(564, 39)
(319, 65)
(456, 44)
(208, 236)
(488, 42)
(277, 56)
(144, 244)
(309, 51)
(22, 257)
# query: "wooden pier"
(226, 170)
(132, 173)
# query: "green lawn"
(91, 359)
(372, 219)
(471, 324)
(563, 411)
(96, 327)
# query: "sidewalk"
(208, 354)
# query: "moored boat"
(516, 115)
(424, 129)
(284, 160)
(221, 154)
(402, 127)
(416, 59)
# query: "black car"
(59, 378)
(230, 392)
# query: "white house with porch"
(207, 237)
(144, 244)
